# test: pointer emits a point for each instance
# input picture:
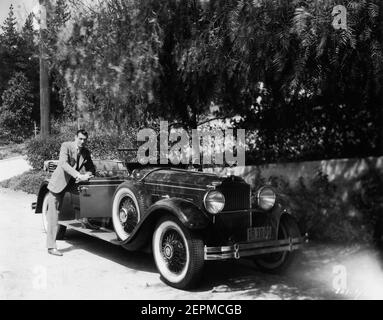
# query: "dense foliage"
(28, 181)
(302, 89)
(18, 54)
(102, 145)
(321, 211)
(16, 110)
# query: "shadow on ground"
(312, 276)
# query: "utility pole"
(380, 82)
(44, 73)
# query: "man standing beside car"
(75, 165)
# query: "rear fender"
(40, 196)
(67, 211)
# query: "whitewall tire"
(125, 212)
(178, 253)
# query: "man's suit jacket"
(66, 168)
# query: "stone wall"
(346, 174)
(340, 171)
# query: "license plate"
(259, 233)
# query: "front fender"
(187, 212)
(279, 213)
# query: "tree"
(10, 37)
(341, 69)
(29, 62)
(304, 89)
(28, 36)
(19, 53)
(16, 110)
(188, 77)
(9, 50)
(380, 18)
(300, 88)
(109, 62)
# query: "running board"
(102, 233)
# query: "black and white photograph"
(210, 152)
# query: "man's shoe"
(55, 252)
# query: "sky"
(21, 9)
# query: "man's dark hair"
(82, 131)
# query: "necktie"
(78, 159)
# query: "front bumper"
(244, 249)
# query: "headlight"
(266, 198)
(214, 201)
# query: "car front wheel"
(178, 253)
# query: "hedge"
(324, 215)
(28, 181)
(101, 146)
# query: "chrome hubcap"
(168, 251)
(174, 251)
(123, 215)
(128, 214)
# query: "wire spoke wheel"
(125, 212)
(174, 251)
(128, 214)
(178, 253)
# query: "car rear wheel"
(125, 212)
(279, 262)
(178, 253)
(60, 229)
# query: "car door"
(96, 197)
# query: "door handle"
(82, 188)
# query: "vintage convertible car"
(184, 217)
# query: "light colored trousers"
(54, 206)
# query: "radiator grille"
(237, 196)
(234, 225)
